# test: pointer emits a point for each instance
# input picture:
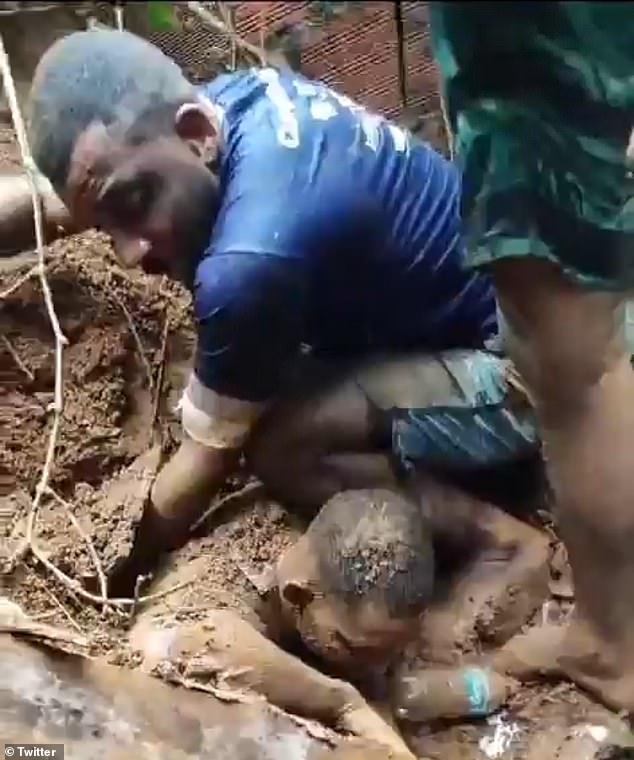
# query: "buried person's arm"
(498, 578)
(247, 309)
(225, 650)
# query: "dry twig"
(16, 358)
(158, 385)
(76, 587)
(137, 340)
(140, 580)
(103, 585)
(215, 23)
(19, 282)
(60, 339)
(252, 487)
(62, 609)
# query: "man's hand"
(181, 493)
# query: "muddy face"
(354, 637)
(157, 200)
(351, 636)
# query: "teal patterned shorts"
(454, 412)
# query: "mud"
(115, 322)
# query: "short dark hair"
(99, 75)
(374, 543)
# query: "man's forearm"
(17, 231)
(181, 493)
(184, 489)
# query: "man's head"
(358, 580)
(126, 142)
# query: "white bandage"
(217, 421)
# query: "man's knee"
(562, 338)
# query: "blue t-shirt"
(337, 229)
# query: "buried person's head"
(127, 143)
(358, 580)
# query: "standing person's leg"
(542, 100)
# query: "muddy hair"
(101, 75)
(374, 544)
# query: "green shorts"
(541, 100)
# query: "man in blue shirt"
(322, 246)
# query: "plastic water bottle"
(451, 693)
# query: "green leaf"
(161, 16)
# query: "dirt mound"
(121, 328)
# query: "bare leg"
(338, 435)
(312, 447)
(567, 344)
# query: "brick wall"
(358, 54)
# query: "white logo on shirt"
(324, 104)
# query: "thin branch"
(63, 609)
(16, 358)
(19, 282)
(76, 587)
(103, 585)
(137, 340)
(252, 487)
(210, 20)
(60, 340)
(158, 385)
(140, 580)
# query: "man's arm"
(247, 307)
(181, 494)
(17, 231)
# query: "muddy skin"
(498, 572)
(583, 393)
(489, 599)
(226, 650)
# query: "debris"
(505, 732)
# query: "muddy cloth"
(453, 412)
(541, 100)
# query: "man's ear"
(197, 125)
(297, 593)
